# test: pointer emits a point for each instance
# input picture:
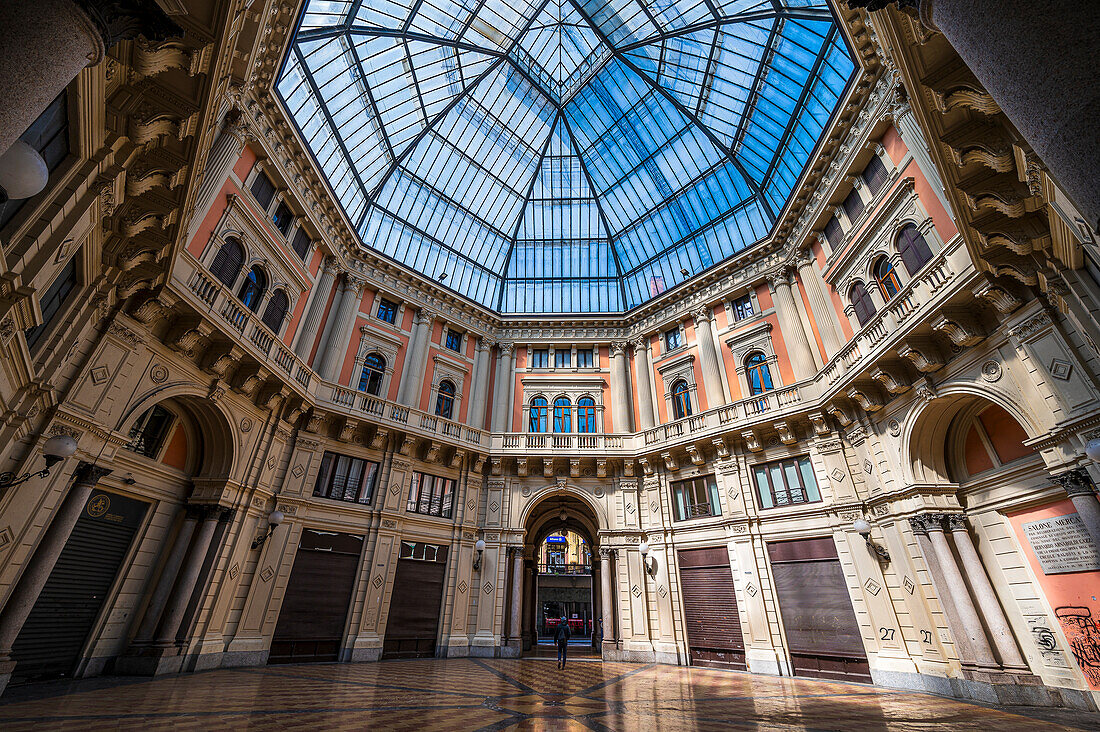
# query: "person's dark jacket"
(562, 634)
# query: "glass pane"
(762, 488)
(809, 480)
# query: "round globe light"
(23, 172)
(862, 527)
(644, 548)
(59, 447)
(1092, 450)
(275, 517)
(480, 545)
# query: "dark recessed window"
(786, 482)
(913, 249)
(834, 234)
(696, 498)
(149, 432)
(387, 310)
(346, 478)
(282, 218)
(584, 358)
(253, 288)
(875, 175)
(742, 308)
(673, 339)
(374, 369)
(445, 399)
(853, 205)
(431, 495)
(228, 262)
(275, 311)
(301, 243)
(454, 340)
(562, 359)
(888, 282)
(540, 358)
(52, 300)
(49, 135)
(862, 304)
(263, 190)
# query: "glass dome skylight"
(563, 156)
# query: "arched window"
(681, 400)
(374, 368)
(563, 415)
(913, 249)
(252, 290)
(227, 262)
(445, 399)
(586, 415)
(887, 277)
(758, 373)
(990, 439)
(861, 302)
(538, 415)
(275, 311)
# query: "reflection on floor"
(468, 694)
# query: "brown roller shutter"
(710, 608)
(821, 628)
(415, 605)
(51, 641)
(318, 596)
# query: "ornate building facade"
(855, 449)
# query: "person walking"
(561, 637)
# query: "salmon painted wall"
(517, 395)
(604, 356)
(835, 298)
(175, 455)
(1073, 595)
(810, 316)
(324, 319)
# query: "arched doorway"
(561, 578)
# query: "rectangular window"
(387, 310)
(346, 478)
(540, 358)
(263, 190)
(52, 300)
(834, 234)
(431, 495)
(696, 498)
(785, 482)
(562, 359)
(301, 243)
(49, 135)
(853, 205)
(875, 175)
(742, 307)
(584, 359)
(673, 340)
(282, 217)
(454, 340)
(147, 435)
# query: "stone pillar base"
(511, 649)
(150, 661)
(7, 667)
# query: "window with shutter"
(301, 243)
(227, 262)
(263, 190)
(875, 174)
(853, 205)
(276, 310)
(913, 249)
(861, 302)
(833, 233)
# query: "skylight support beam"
(415, 36)
(791, 13)
(370, 100)
(754, 88)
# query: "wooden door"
(710, 609)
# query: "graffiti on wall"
(1083, 633)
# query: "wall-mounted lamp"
(56, 449)
(1092, 450)
(479, 547)
(273, 520)
(649, 565)
(863, 528)
(23, 172)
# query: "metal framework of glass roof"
(563, 156)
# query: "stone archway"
(552, 514)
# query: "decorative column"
(987, 598)
(168, 576)
(823, 314)
(620, 388)
(47, 42)
(189, 576)
(515, 632)
(42, 561)
(306, 335)
(790, 324)
(643, 366)
(479, 383)
(911, 134)
(1038, 63)
(1082, 491)
(932, 526)
(709, 358)
(502, 409)
(414, 370)
(339, 335)
(225, 151)
(606, 596)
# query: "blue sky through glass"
(563, 156)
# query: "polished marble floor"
(468, 694)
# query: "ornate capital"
(925, 522)
(701, 315)
(1076, 482)
(506, 348)
(640, 344)
(124, 20)
(956, 522)
(618, 348)
(89, 473)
